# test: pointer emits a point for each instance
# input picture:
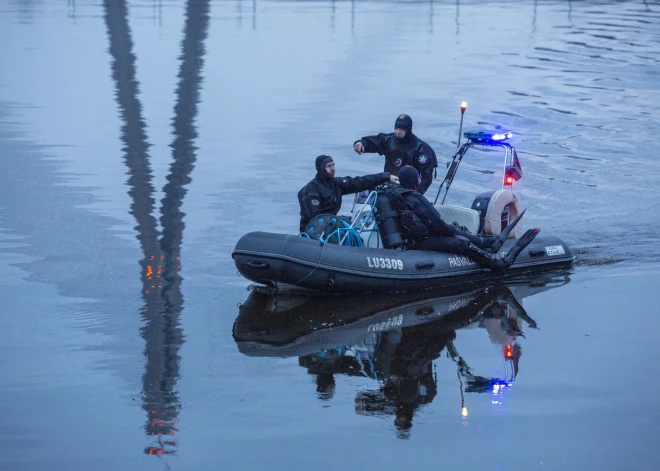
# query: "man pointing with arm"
(400, 148)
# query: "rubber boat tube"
(274, 259)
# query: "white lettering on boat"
(461, 303)
(385, 263)
(555, 250)
(390, 322)
(457, 261)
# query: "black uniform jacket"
(319, 197)
(413, 152)
(418, 216)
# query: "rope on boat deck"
(351, 236)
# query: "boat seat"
(465, 217)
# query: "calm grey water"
(139, 140)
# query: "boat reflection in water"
(393, 340)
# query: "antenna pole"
(460, 128)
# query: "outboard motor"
(388, 223)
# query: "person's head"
(403, 126)
(409, 177)
(325, 167)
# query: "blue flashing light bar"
(502, 136)
(488, 137)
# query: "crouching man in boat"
(323, 194)
(423, 228)
(400, 148)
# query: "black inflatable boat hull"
(275, 259)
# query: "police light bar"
(488, 137)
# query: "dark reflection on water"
(161, 281)
(392, 340)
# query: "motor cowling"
(480, 204)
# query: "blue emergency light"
(488, 137)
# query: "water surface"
(141, 139)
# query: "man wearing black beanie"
(323, 194)
(400, 148)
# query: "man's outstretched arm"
(371, 144)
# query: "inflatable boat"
(275, 259)
(346, 255)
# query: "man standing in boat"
(323, 194)
(424, 229)
(400, 148)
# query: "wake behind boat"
(335, 255)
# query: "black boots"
(485, 259)
(496, 263)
